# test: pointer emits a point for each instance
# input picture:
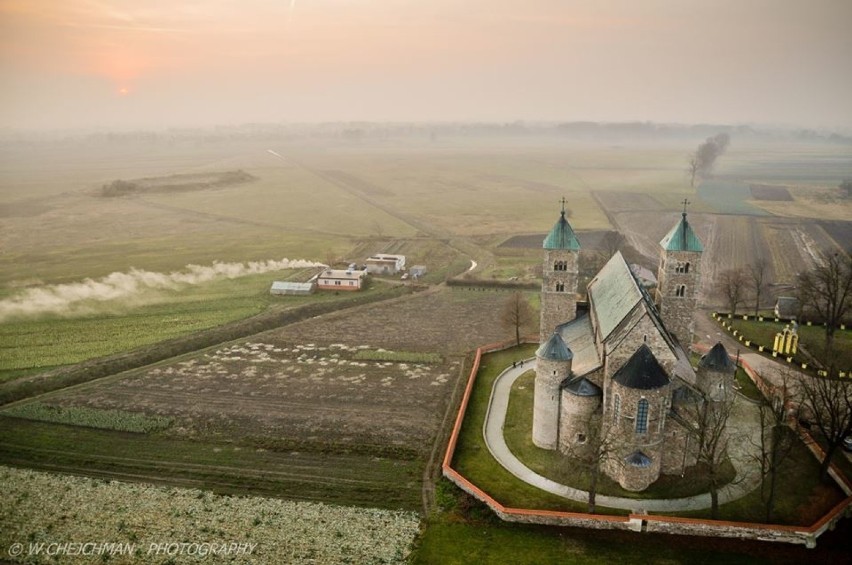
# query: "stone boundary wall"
(806, 535)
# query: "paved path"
(743, 418)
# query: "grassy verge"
(222, 467)
(472, 458)
(118, 420)
(811, 337)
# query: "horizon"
(120, 65)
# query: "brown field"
(303, 382)
(769, 192)
(614, 202)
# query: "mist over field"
(62, 299)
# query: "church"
(622, 365)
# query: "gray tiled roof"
(613, 294)
(554, 349)
(642, 371)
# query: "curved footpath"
(741, 454)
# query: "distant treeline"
(176, 183)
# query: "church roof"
(582, 386)
(613, 294)
(681, 238)
(579, 334)
(638, 459)
(554, 349)
(561, 236)
(717, 359)
(642, 371)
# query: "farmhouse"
(383, 264)
(621, 368)
(292, 288)
(334, 279)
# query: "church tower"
(559, 277)
(678, 278)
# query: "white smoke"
(61, 298)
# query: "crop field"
(769, 192)
(292, 401)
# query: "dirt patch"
(358, 184)
(840, 232)
(175, 183)
(770, 192)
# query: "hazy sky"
(132, 63)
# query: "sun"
(123, 91)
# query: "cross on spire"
(563, 205)
(685, 203)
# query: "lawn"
(811, 337)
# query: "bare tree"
(827, 403)
(827, 290)
(707, 422)
(516, 314)
(701, 163)
(758, 278)
(693, 166)
(776, 439)
(731, 285)
(601, 443)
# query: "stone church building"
(622, 365)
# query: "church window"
(662, 414)
(679, 268)
(560, 287)
(686, 268)
(581, 438)
(560, 266)
(642, 417)
(616, 408)
(680, 290)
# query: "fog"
(130, 64)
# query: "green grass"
(318, 474)
(746, 387)
(811, 337)
(398, 356)
(449, 541)
(472, 458)
(560, 468)
(112, 327)
(118, 420)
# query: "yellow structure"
(787, 341)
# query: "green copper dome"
(682, 238)
(562, 236)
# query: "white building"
(384, 264)
(334, 279)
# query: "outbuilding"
(334, 279)
(292, 288)
(384, 264)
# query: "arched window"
(616, 408)
(642, 417)
(663, 406)
(680, 290)
(560, 287)
(686, 268)
(560, 266)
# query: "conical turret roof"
(554, 349)
(561, 236)
(642, 371)
(581, 386)
(681, 238)
(717, 359)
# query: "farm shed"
(383, 264)
(786, 307)
(334, 279)
(292, 288)
(417, 271)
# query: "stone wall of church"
(623, 408)
(624, 342)
(677, 292)
(575, 420)
(558, 290)
(680, 452)
(717, 385)
(549, 375)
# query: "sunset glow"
(440, 60)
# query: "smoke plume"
(62, 298)
(701, 162)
